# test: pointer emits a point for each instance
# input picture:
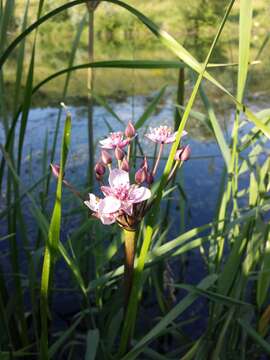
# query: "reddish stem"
(158, 159)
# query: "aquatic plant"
(123, 203)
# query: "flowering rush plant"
(125, 195)
(123, 202)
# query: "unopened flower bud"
(149, 178)
(125, 165)
(119, 153)
(140, 176)
(106, 157)
(183, 154)
(99, 170)
(55, 170)
(144, 164)
(130, 130)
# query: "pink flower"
(119, 198)
(101, 211)
(162, 135)
(121, 194)
(115, 139)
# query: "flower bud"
(183, 154)
(140, 176)
(55, 170)
(119, 153)
(130, 130)
(106, 157)
(125, 165)
(99, 170)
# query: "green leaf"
(254, 335)
(263, 283)
(52, 245)
(212, 295)
(92, 341)
(245, 26)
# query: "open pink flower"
(121, 194)
(115, 139)
(162, 135)
(101, 210)
(119, 197)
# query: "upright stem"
(130, 246)
(158, 159)
(129, 152)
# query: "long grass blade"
(52, 245)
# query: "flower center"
(122, 193)
(164, 131)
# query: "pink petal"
(106, 144)
(109, 205)
(170, 139)
(107, 191)
(151, 137)
(127, 208)
(118, 178)
(93, 202)
(139, 194)
(107, 219)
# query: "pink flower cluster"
(120, 199)
(162, 135)
(123, 202)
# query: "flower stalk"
(158, 159)
(129, 246)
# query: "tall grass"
(234, 246)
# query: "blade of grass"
(52, 245)
(254, 335)
(92, 341)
